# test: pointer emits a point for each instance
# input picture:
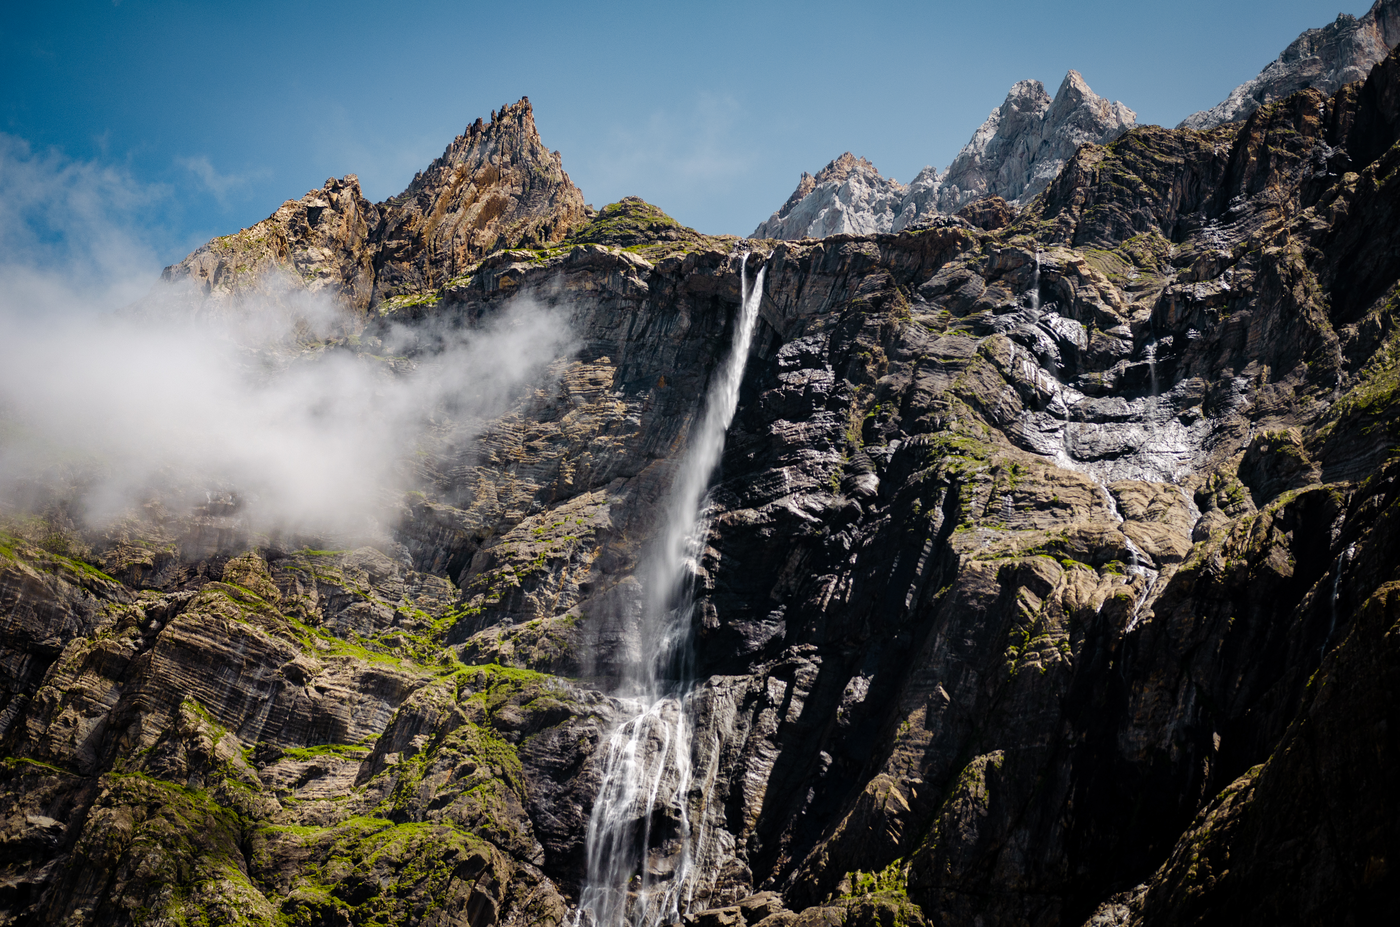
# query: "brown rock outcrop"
(319, 243)
(496, 186)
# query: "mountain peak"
(847, 196)
(1074, 87)
(495, 186)
(1013, 155)
(1024, 143)
(1325, 59)
(841, 168)
(510, 133)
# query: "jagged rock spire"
(1014, 155)
(495, 186)
(1339, 53)
(1024, 143)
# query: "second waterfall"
(641, 856)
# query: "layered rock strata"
(1051, 579)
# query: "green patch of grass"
(346, 751)
(633, 224)
(53, 554)
(16, 763)
(893, 879)
(395, 304)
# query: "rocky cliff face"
(1013, 155)
(1050, 579)
(1325, 59)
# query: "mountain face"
(846, 196)
(1022, 146)
(1326, 59)
(1027, 140)
(1013, 155)
(1051, 572)
(496, 186)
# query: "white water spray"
(1150, 352)
(641, 845)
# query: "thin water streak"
(1342, 560)
(1035, 286)
(1149, 351)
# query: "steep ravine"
(1050, 578)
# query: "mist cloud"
(281, 403)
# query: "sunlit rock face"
(847, 196)
(496, 186)
(1027, 140)
(321, 242)
(1050, 574)
(1023, 144)
(1326, 59)
(1013, 155)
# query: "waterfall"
(1137, 560)
(1149, 351)
(1035, 285)
(641, 846)
(1342, 560)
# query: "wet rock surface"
(1050, 579)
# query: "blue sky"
(161, 124)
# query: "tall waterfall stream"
(644, 837)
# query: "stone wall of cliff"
(1050, 576)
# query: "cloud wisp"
(310, 440)
(73, 230)
(216, 183)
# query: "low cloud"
(282, 405)
(314, 441)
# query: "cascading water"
(1035, 286)
(1150, 352)
(641, 845)
(1342, 560)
